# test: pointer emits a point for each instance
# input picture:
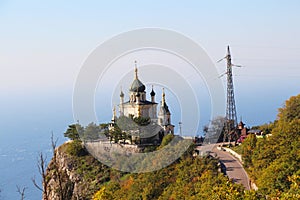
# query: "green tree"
(266, 128)
(74, 131)
(116, 134)
(104, 129)
(76, 148)
(142, 121)
(294, 192)
(166, 140)
(291, 110)
(273, 162)
(126, 124)
(92, 132)
(248, 147)
(188, 178)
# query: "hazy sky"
(44, 44)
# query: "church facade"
(138, 106)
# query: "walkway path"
(234, 169)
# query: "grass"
(237, 149)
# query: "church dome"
(137, 86)
(152, 92)
(121, 94)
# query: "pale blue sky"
(43, 44)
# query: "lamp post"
(180, 128)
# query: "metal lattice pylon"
(231, 117)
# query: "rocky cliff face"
(62, 178)
(74, 174)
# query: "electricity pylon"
(231, 118)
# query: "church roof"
(141, 103)
(164, 108)
(121, 94)
(241, 123)
(152, 92)
(137, 85)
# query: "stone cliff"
(74, 174)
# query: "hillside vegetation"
(274, 162)
(187, 178)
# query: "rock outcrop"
(73, 174)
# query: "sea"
(27, 123)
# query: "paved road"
(234, 169)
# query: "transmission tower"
(231, 118)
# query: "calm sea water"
(27, 122)
(18, 158)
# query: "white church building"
(137, 105)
